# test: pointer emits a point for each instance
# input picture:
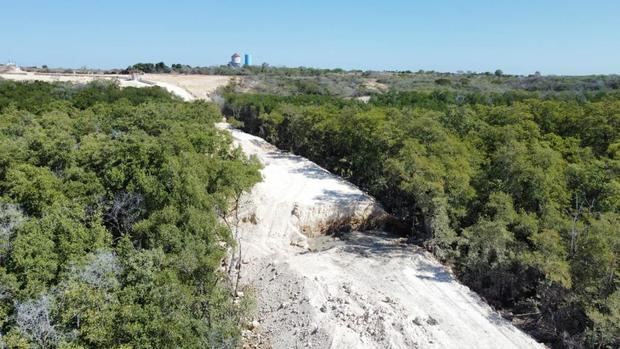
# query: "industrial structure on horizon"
(235, 60)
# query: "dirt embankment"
(198, 86)
(188, 87)
(362, 290)
(123, 80)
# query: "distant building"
(247, 60)
(235, 61)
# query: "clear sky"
(517, 36)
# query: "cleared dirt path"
(188, 87)
(124, 80)
(364, 290)
(198, 86)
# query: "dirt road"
(198, 86)
(124, 80)
(366, 290)
(188, 87)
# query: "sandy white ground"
(174, 89)
(198, 86)
(188, 87)
(124, 80)
(366, 290)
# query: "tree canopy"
(520, 193)
(109, 230)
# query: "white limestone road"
(198, 86)
(365, 290)
(173, 89)
(124, 80)
(187, 87)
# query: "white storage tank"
(236, 59)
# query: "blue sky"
(517, 36)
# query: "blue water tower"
(247, 60)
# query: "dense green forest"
(109, 229)
(518, 191)
(351, 84)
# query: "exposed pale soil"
(199, 86)
(188, 87)
(124, 80)
(361, 290)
